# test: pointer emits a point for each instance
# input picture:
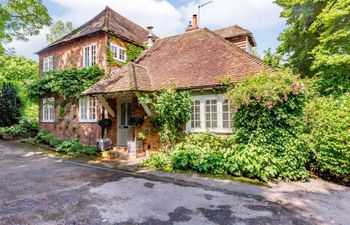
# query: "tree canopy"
(58, 30)
(20, 19)
(317, 39)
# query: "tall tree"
(297, 41)
(20, 19)
(332, 55)
(317, 40)
(10, 105)
(20, 72)
(58, 30)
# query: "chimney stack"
(150, 36)
(194, 21)
(194, 24)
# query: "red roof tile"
(194, 59)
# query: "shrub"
(159, 160)
(45, 137)
(13, 130)
(328, 119)
(10, 105)
(171, 112)
(76, 148)
(204, 153)
(268, 123)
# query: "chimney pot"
(150, 36)
(194, 21)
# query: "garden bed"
(10, 137)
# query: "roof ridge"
(76, 29)
(106, 20)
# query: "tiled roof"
(235, 31)
(128, 78)
(194, 59)
(107, 20)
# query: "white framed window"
(48, 64)
(119, 53)
(195, 115)
(48, 110)
(90, 55)
(210, 113)
(87, 109)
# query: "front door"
(125, 132)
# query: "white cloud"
(252, 14)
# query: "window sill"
(87, 121)
(228, 131)
(47, 121)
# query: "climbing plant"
(172, 110)
(67, 83)
(132, 52)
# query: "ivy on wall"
(132, 52)
(67, 83)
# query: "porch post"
(144, 106)
(105, 105)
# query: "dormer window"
(90, 55)
(118, 52)
(48, 64)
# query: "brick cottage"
(193, 60)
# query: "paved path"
(37, 189)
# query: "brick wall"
(66, 56)
(71, 54)
(152, 141)
(67, 126)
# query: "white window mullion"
(219, 112)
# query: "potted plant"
(104, 143)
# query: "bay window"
(210, 113)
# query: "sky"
(169, 17)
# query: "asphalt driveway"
(37, 189)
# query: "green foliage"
(132, 52)
(272, 58)
(13, 130)
(68, 147)
(267, 122)
(328, 119)
(10, 105)
(171, 112)
(20, 72)
(332, 55)
(58, 30)
(265, 89)
(44, 137)
(67, 83)
(204, 152)
(158, 160)
(76, 148)
(21, 18)
(297, 42)
(317, 40)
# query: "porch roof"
(128, 78)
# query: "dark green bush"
(76, 148)
(10, 105)
(159, 160)
(268, 123)
(329, 136)
(204, 153)
(13, 130)
(44, 137)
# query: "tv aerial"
(199, 9)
